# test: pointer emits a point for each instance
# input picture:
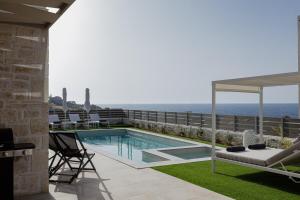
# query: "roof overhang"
(254, 84)
(33, 12)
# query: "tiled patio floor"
(117, 181)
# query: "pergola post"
(261, 113)
(213, 140)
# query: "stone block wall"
(23, 101)
(225, 137)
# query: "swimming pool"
(140, 149)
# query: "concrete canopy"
(254, 84)
(42, 13)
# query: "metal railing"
(103, 113)
(287, 127)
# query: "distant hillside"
(57, 102)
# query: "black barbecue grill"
(8, 151)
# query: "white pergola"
(249, 85)
(40, 13)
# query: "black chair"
(71, 151)
(54, 164)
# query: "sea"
(270, 110)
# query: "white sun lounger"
(54, 121)
(265, 159)
(75, 119)
(95, 119)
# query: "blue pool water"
(129, 144)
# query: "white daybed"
(267, 159)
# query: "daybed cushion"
(256, 157)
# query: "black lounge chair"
(71, 151)
(54, 164)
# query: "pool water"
(129, 144)
(189, 153)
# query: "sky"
(169, 51)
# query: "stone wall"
(225, 137)
(23, 106)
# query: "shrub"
(229, 139)
(285, 143)
(136, 125)
(163, 130)
(278, 130)
(200, 133)
(182, 134)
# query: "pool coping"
(171, 160)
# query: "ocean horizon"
(270, 109)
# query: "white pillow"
(249, 138)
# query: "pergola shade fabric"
(254, 84)
(32, 12)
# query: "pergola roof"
(32, 12)
(253, 84)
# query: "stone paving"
(117, 181)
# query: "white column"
(261, 113)
(213, 139)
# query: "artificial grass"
(235, 181)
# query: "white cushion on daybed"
(256, 157)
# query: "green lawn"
(235, 181)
